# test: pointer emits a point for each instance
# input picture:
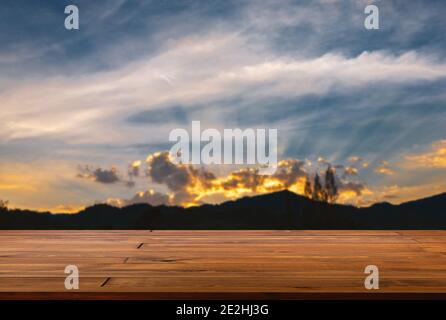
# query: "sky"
(85, 114)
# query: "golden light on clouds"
(14, 181)
(351, 171)
(434, 158)
(398, 194)
(42, 185)
(193, 186)
(384, 169)
(54, 187)
(353, 197)
(136, 164)
(238, 184)
(189, 185)
(63, 209)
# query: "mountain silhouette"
(278, 210)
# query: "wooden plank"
(235, 262)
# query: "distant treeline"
(279, 210)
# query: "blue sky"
(109, 94)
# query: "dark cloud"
(244, 178)
(107, 176)
(133, 171)
(356, 187)
(290, 171)
(162, 170)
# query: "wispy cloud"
(60, 106)
(434, 157)
(384, 168)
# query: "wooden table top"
(221, 264)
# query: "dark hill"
(279, 210)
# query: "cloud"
(134, 168)
(350, 171)
(152, 197)
(95, 100)
(45, 185)
(107, 176)
(385, 171)
(112, 175)
(383, 168)
(189, 186)
(435, 157)
(355, 159)
(355, 187)
(196, 184)
(399, 193)
(163, 171)
(63, 208)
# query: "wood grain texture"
(219, 264)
